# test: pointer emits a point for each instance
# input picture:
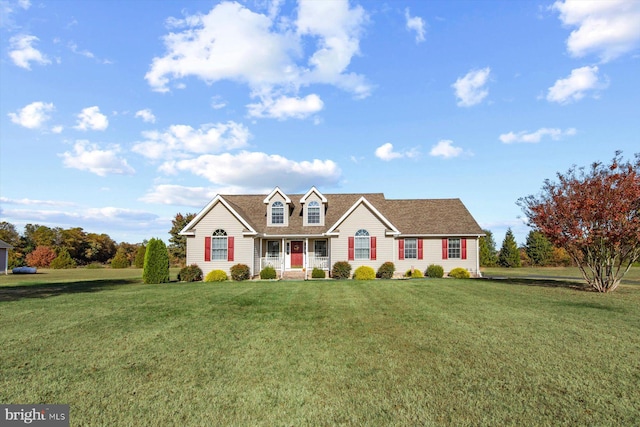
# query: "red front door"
(297, 258)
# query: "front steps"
(293, 275)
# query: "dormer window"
(313, 213)
(277, 213)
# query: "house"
(295, 233)
(4, 256)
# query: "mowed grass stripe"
(428, 352)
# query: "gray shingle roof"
(5, 245)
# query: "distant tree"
(139, 260)
(594, 214)
(41, 257)
(120, 260)
(509, 255)
(63, 260)
(488, 252)
(178, 243)
(156, 262)
(74, 240)
(99, 248)
(538, 248)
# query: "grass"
(413, 352)
(562, 273)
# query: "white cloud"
(57, 129)
(234, 43)
(445, 149)
(217, 102)
(146, 115)
(417, 24)
(32, 202)
(256, 170)
(23, 53)
(74, 48)
(385, 152)
(25, 4)
(286, 107)
(89, 157)
(535, 137)
(169, 194)
(573, 88)
(180, 140)
(607, 28)
(91, 118)
(32, 116)
(470, 89)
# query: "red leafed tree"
(41, 257)
(594, 214)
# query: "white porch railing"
(273, 261)
(321, 262)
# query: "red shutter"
(463, 248)
(351, 249)
(373, 248)
(207, 248)
(445, 248)
(230, 246)
(401, 249)
(420, 256)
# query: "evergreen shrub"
(341, 270)
(459, 273)
(120, 260)
(216, 276)
(156, 263)
(268, 273)
(364, 272)
(63, 260)
(318, 273)
(240, 272)
(434, 271)
(190, 273)
(386, 270)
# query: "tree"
(594, 214)
(538, 248)
(41, 257)
(509, 255)
(120, 260)
(156, 262)
(139, 260)
(99, 248)
(488, 252)
(63, 260)
(178, 243)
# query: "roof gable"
(310, 192)
(188, 229)
(275, 191)
(364, 201)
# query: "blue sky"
(116, 115)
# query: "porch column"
(306, 257)
(282, 259)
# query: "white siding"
(432, 254)
(278, 198)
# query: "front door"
(297, 255)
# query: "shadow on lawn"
(15, 293)
(545, 282)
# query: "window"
(313, 213)
(320, 248)
(362, 244)
(454, 248)
(410, 249)
(277, 213)
(273, 248)
(219, 245)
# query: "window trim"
(454, 251)
(277, 208)
(219, 245)
(313, 207)
(414, 249)
(361, 237)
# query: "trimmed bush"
(415, 274)
(268, 273)
(191, 273)
(156, 262)
(364, 273)
(216, 276)
(120, 260)
(434, 271)
(63, 260)
(318, 273)
(459, 273)
(240, 272)
(341, 270)
(386, 270)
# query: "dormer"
(277, 208)
(314, 206)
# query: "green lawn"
(409, 352)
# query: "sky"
(117, 115)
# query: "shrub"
(341, 270)
(268, 273)
(318, 273)
(216, 276)
(416, 273)
(240, 272)
(139, 261)
(386, 270)
(120, 260)
(42, 256)
(191, 273)
(434, 271)
(364, 273)
(156, 262)
(94, 266)
(63, 260)
(459, 273)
